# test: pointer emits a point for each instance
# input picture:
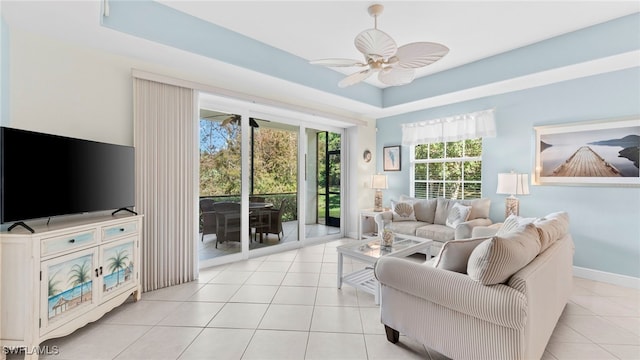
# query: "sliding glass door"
(273, 183)
(220, 221)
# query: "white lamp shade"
(513, 184)
(379, 181)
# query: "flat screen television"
(47, 175)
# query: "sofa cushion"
(403, 211)
(435, 232)
(405, 227)
(454, 254)
(496, 259)
(459, 213)
(551, 228)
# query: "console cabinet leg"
(392, 335)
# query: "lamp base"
(377, 203)
(512, 206)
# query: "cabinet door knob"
(97, 273)
(72, 241)
(100, 270)
(121, 229)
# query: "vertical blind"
(474, 125)
(165, 144)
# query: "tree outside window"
(447, 169)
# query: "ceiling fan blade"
(337, 62)
(375, 43)
(355, 78)
(419, 54)
(396, 76)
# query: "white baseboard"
(611, 278)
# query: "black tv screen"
(47, 175)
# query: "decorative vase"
(387, 236)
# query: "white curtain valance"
(474, 125)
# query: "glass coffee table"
(369, 252)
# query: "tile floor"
(286, 306)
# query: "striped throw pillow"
(495, 260)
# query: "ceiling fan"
(394, 65)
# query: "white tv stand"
(64, 276)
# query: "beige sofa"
(463, 317)
(430, 216)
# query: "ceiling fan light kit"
(394, 65)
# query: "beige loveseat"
(506, 307)
(429, 218)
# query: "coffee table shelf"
(369, 252)
(364, 280)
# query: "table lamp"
(378, 182)
(512, 184)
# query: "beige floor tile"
(239, 315)
(246, 265)
(277, 266)
(174, 293)
(624, 352)
(276, 345)
(301, 279)
(215, 292)
(626, 322)
(218, 343)
(262, 294)
(140, 313)
(287, 317)
(295, 295)
(231, 277)
(305, 267)
(309, 257)
(336, 319)
(161, 343)
(337, 297)
(371, 320)
(328, 280)
(570, 351)
(266, 278)
(601, 331)
(193, 313)
(563, 333)
(96, 341)
(287, 256)
(600, 305)
(379, 348)
(336, 346)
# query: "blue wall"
(605, 221)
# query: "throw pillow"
(551, 228)
(512, 223)
(454, 254)
(495, 260)
(403, 211)
(459, 213)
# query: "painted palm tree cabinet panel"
(69, 285)
(118, 262)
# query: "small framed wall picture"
(391, 158)
(366, 156)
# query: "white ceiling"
(471, 29)
(322, 29)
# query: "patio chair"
(228, 221)
(207, 217)
(275, 223)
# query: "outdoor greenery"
(274, 162)
(448, 169)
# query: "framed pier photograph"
(588, 153)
